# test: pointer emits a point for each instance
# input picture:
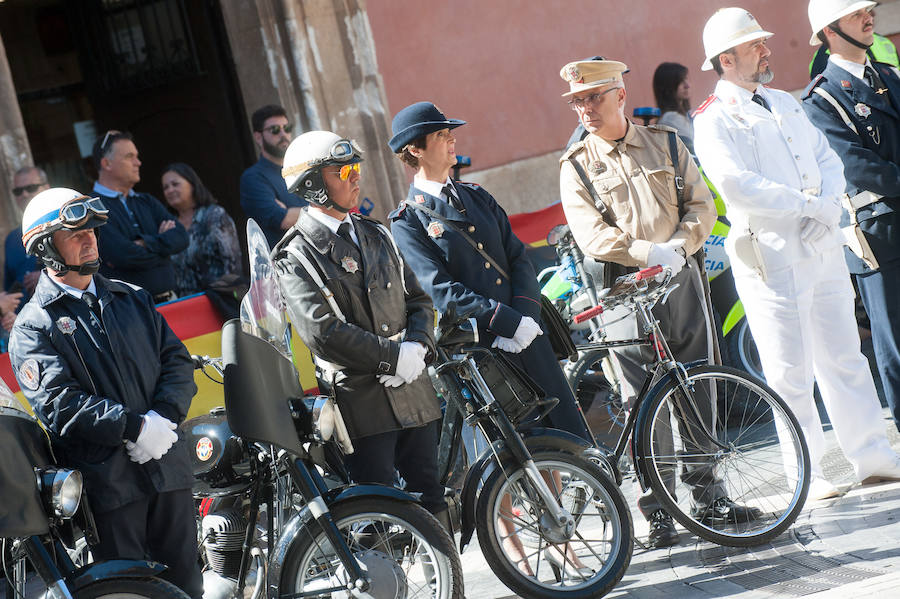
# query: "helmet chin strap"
(834, 27)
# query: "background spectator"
(213, 250)
(672, 91)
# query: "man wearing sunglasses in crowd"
(264, 196)
(20, 273)
(141, 235)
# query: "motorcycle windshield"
(25, 447)
(263, 308)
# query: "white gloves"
(410, 364)
(156, 437)
(525, 333)
(825, 210)
(811, 230)
(665, 254)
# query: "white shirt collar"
(728, 91)
(333, 223)
(433, 187)
(854, 68)
(74, 291)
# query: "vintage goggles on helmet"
(77, 212)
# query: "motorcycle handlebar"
(648, 272)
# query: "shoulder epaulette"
(573, 149)
(470, 184)
(662, 128)
(397, 212)
(361, 216)
(705, 105)
(820, 78)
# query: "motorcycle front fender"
(115, 568)
(296, 524)
(536, 439)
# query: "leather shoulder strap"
(598, 203)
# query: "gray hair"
(32, 169)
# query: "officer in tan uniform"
(635, 222)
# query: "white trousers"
(804, 324)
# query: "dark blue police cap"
(418, 120)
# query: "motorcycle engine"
(223, 535)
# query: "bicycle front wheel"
(725, 456)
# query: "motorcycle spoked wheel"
(130, 588)
(405, 549)
(602, 539)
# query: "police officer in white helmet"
(110, 382)
(361, 311)
(781, 183)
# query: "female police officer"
(505, 304)
(360, 310)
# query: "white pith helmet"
(825, 12)
(727, 28)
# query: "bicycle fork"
(562, 518)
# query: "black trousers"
(411, 451)
(160, 528)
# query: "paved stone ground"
(838, 549)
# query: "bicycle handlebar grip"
(588, 314)
(648, 272)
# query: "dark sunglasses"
(276, 129)
(17, 191)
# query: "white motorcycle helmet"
(55, 209)
(825, 12)
(305, 157)
(727, 28)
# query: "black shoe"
(724, 511)
(662, 530)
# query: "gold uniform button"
(487, 264)
(471, 229)
(480, 246)
(499, 282)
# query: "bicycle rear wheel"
(751, 451)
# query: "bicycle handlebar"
(588, 314)
(648, 272)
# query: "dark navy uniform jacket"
(450, 270)
(872, 157)
(89, 385)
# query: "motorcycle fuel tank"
(219, 460)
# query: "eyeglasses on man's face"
(277, 129)
(580, 103)
(32, 188)
(344, 171)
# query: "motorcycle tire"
(127, 588)
(602, 538)
(389, 537)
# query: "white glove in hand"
(157, 435)
(664, 254)
(507, 344)
(137, 454)
(825, 210)
(811, 230)
(527, 330)
(390, 380)
(411, 361)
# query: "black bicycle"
(550, 523)
(704, 437)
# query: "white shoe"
(888, 473)
(819, 489)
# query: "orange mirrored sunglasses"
(345, 170)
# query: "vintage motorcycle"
(269, 515)
(43, 516)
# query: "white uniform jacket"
(767, 166)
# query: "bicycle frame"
(663, 366)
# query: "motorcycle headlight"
(62, 489)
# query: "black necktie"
(344, 233)
(872, 78)
(93, 303)
(761, 101)
(447, 192)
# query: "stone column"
(14, 149)
(317, 59)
